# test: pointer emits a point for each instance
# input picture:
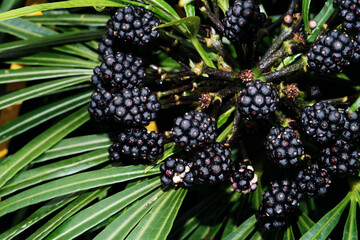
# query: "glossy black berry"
(134, 24)
(134, 107)
(349, 11)
(212, 163)
(283, 146)
(341, 159)
(194, 130)
(351, 130)
(242, 21)
(332, 53)
(257, 100)
(99, 105)
(242, 177)
(322, 122)
(176, 172)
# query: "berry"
(194, 130)
(351, 130)
(341, 159)
(278, 201)
(349, 13)
(356, 57)
(322, 122)
(114, 153)
(242, 21)
(107, 42)
(284, 147)
(135, 107)
(242, 177)
(313, 181)
(212, 163)
(139, 144)
(99, 105)
(119, 71)
(257, 100)
(331, 53)
(134, 24)
(177, 172)
(315, 92)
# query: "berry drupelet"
(284, 147)
(242, 21)
(257, 100)
(313, 181)
(119, 71)
(212, 163)
(322, 122)
(332, 53)
(349, 11)
(99, 105)
(139, 144)
(134, 107)
(242, 177)
(351, 130)
(194, 130)
(341, 159)
(176, 172)
(278, 201)
(135, 25)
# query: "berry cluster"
(118, 98)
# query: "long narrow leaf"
(326, 224)
(75, 145)
(70, 19)
(39, 90)
(18, 47)
(102, 210)
(157, 223)
(305, 14)
(38, 215)
(83, 200)
(72, 184)
(55, 170)
(304, 223)
(123, 224)
(42, 114)
(243, 230)
(39, 73)
(350, 230)
(23, 29)
(40, 144)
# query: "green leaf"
(305, 14)
(102, 210)
(289, 234)
(224, 5)
(243, 230)
(75, 145)
(192, 23)
(355, 106)
(19, 47)
(40, 144)
(38, 215)
(164, 6)
(9, 4)
(227, 131)
(41, 114)
(158, 222)
(127, 220)
(39, 90)
(56, 5)
(55, 59)
(224, 117)
(189, 9)
(72, 184)
(326, 224)
(54, 170)
(323, 16)
(82, 51)
(39, 73)
(350, 230)
(304, 223)
(70, 19)
(83, 200)
(23, 29)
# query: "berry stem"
(264, 65)
(161, 94)
(218, 25)
(281, 73)
(223, 75)
(276, 44)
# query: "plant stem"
(285, 71)
(202, 52)
(219, 26)
(264, 65)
